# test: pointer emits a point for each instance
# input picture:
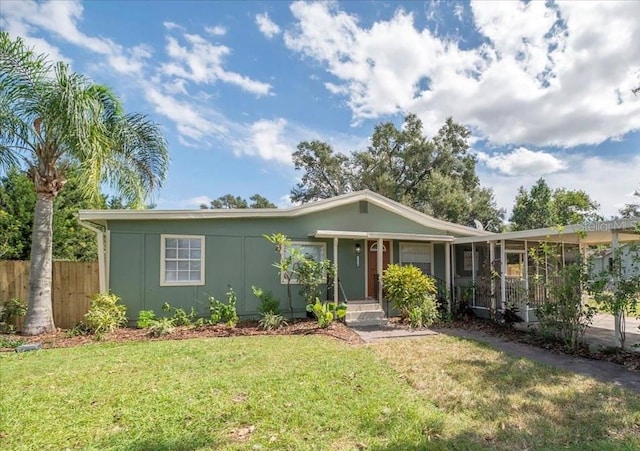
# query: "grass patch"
(273, 392)
(306, 392)
(493, 400)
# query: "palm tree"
(52, 119)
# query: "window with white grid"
(417, 254)
(182, 260)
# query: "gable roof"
(101, 216)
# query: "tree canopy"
(231, 201)
(543, 207)
(632, 210)
(436, 176)
(52, 119)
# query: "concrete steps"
(365, 313)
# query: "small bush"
(160, 327)
(222, 313)
(10, 311)
(412, 293)
(145, 318)
(272, 321)
(327, 312)
(180, 317)
(78, 330)
(423, 315)
(9, 342)
(268, 304)
(105, 313)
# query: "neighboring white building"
(602, 261)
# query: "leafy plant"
(145, 318)
(180, 317)
(412, 293)
(160, 327)
(78, 330)
(271, 321)
(224, 312)
(10, 342)
(562, 315)
(327, 312)
(424, 315)
(105, 313)
(268, 303)
(10, 311)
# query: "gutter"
(102, 279)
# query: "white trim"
(321, 244)
(301, 210)
(401, 245)
(181, 283)
(102, 261)
(336, 280)
(383, 235)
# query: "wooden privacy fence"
(73, 284)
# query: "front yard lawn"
(303, 392)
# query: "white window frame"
(320, 244)
(428, 246)
(180, 283)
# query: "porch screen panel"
(417, 254)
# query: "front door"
(372, 264)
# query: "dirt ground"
(62, 339)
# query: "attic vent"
(364, 206)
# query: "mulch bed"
(61, 338)
(339, 331)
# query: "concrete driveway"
(601, 332)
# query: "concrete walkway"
(597, 369)
(601, 332)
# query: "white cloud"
(522, 161)
(607, 180)
(546, 74)
(267, 27)
(197, 201)
(200, 61)
(218, 30)
(266, 140)
(60, 19)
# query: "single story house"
(148, 257)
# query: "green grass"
(303, 393)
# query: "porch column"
(526, 281)
(336, 281)
(447, 274)
(503, 275)
(492, 257)
(379, 263)
(618, 318)
(473, 273)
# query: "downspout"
(102, 280)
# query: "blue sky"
(545, 87)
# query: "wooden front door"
(372, 264)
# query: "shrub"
(9, 342)
(224, 313)
(105, 313)
(145, 318)
(271, 321)
(180, 316)
(160, 327)
(78, 330)
(9, 312)
(412, 293)
(423, 315)
(563, 315)
(326, 313)
(268, 304)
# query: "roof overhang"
(102, 216)
(599, 232)
(379, 235)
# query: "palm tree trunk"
(40, 312)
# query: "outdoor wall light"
(358, 255)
